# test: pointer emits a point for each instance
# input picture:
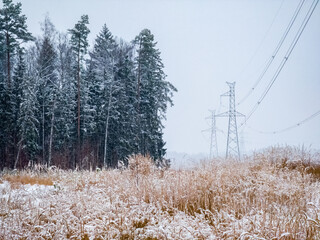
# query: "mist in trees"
(63, 103)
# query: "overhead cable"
(289, 51)
(290, 127)
(293, 19)
(263, 39)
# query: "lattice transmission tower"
(213, 142)
(232, 138)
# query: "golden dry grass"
(139, 164)
(27, 179)
(274, 194)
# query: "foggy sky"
(206, 43)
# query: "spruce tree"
(47, 88)
(3, 103)
(13, 32)
(16, 96)
(104, 66)
(27, 120)
(154, 93)
(66, 103)
(126, 126)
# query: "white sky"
(206, 43)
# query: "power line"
(264, 38)
(290, 127)
(294, 17)
(289, 51)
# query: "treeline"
(64, 104)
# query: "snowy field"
(274, 194)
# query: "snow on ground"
(270, 196)
(68, 210)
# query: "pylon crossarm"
(240, 114)
(225, 114)
(227, 94)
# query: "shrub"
(139, 164)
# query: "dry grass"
(274, 194)
(28, 179)
(39, 175)
(139, 164)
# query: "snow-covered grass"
(274, 194)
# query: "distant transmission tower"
(232, 139)
(213, 142)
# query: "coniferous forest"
(68, 104)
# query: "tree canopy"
(63, 103)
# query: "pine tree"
(13, 27)
(79, 44)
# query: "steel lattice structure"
(213, 143)
(232, 138)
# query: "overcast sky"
(205, 43)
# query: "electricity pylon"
(232, 139)
(213, 142)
